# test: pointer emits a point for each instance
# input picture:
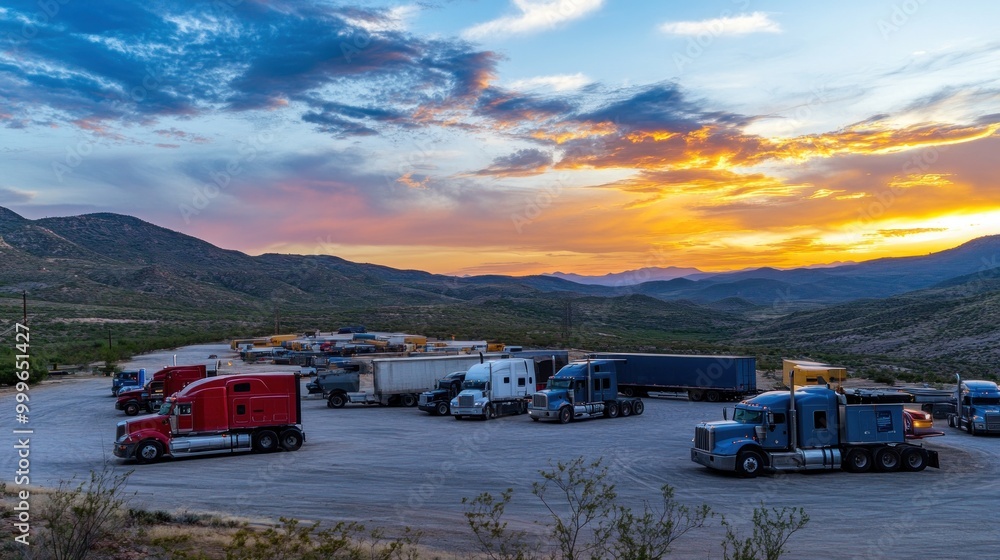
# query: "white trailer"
(496, 388)
(399, 380)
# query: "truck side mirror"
(769, 421)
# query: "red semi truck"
(260, 412)
(164, 383)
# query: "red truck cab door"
(182, 421)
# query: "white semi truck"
(496, 388)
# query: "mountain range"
(944, 301)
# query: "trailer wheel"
(914, 460)
(565, 415)
(611, 410)
(265, 441)
(858, 460)
(625, 409)
(409, 400)
(443, 409)
(712, 396)
(887, 460)
(148, 451)
(628, 391)
(336, 400)
(131, 408)
(749, 464)
(638, 408)
(696, 395)
(291, 439)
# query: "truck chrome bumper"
(713, 461)
(467, 411)
(543, 414)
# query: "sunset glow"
(513, 137)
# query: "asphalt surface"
(397, 467)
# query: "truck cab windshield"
(481, 385)
(165, 409)
(745, 416)
(560, 383)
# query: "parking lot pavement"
(396, 467)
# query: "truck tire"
(408, 400)
(886, 460)
(857, 460)
(696, 395)
(149, 451)
(488, 412)
(749, 463)
(628, 391)
(443, 409)
(913, 459)
(611, 409)
(131, 408)
(265, 441)
(625, 409)
(951, 421)
(565, 415)
(712, 396)
(336, 400)
(291, 439)
(638, 408)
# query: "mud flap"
(932, 459)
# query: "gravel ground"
(397, 467)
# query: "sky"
(513, 136)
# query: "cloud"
(522, 163)
(14, 196)
(757, 22)
(904, 232)
(535, 15)
(559, 82)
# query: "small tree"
(590, 500)
(769, 536)
(494, 539)
(76, 518)
(648, 536)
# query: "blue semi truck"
(710, 378)
(581, 390)
(811, 428)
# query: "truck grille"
(422, 400)
(466, 400)
(120, 431)
(704, 438)
(539, 400)
(992, 422)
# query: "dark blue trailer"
(711, 378)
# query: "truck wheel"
(712, 396)
(488, 412)
(625, 409)
(611, 410)
(291, 439)
(887, 460)
(565, 415)
(749, 464)
(858, 460)
(148, 451)
(914, 460)
(638, 408)
(443, 409)
(131, 408)
(628, 391)
(337, 400)
(951, 421)
(696, 395)
(409, 400)
(265, 441)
